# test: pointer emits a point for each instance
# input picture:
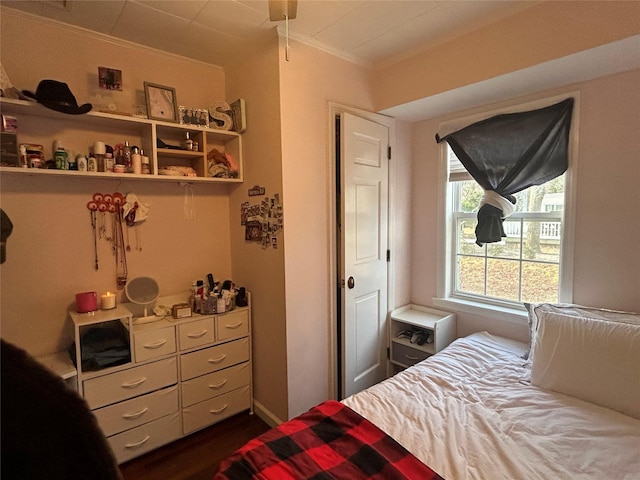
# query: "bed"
(564, 406)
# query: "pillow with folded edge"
(534, 310)
(592, 359)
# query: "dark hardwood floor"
(197, 456)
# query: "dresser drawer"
(406, 355)
(196, 334)
(154, 343)
(213, 358)
(137, 411)
(115, 387)
(145, 438)
(213, 384)
(232, 325)
(211, 411)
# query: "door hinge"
(341, 283)
(388, 255)
(389, 152)
(388, 353)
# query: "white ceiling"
(369, 32)
(374, 33)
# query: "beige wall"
(606, 262)
(543, 32)
(256, 79)
(33, 49)
(309, 81)
(50, 255)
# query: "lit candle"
(108, 301)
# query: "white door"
(364, 200)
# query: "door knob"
(351, 282)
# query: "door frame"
(334, 246)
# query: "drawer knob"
(411, 357)
(135, 384)
(234, 326)
(197, 334)
(156, 344)
(219, 410)
(137, 444)
(217, 360)
(133, 416)
(218, 385)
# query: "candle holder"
(108, 301)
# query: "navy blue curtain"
(508, 153)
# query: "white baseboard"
(265, 414)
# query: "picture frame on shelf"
(194, 116)
(239, 115)
(161, 101)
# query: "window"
(525, 265)
(533, 263)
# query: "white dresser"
(181, 375)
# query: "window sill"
(513, 315)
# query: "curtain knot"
(493, 198)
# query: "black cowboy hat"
(57, 96)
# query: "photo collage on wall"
(262, 221)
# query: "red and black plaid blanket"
(330, 441)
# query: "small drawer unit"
(198, 333)
(405, 355)
(213, 384)
(417, 332)
(214, 358)
(215, 409)
(234, 324)
(147, 437)
(119, 386)
(152, 344)
(137, 411)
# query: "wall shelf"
(40, 125)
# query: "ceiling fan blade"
(281, 9)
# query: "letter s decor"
(221, 120)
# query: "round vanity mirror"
(142, 291)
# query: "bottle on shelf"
(60, 156)
(136, 160)
(24, 159)
(72, 161)
(82, 163)
(99, 152)
(124, 155)
(146, 168)
(108, 159)
(188, 143)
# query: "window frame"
(446, 297)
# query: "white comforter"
(469, 412)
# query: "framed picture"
(110, 78)
(194, 116)
(161, 102)
(239, 115)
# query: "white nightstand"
(437, 325)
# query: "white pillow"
(535, 310)
(591, 359)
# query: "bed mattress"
(470, 412)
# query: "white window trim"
(444, 298)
